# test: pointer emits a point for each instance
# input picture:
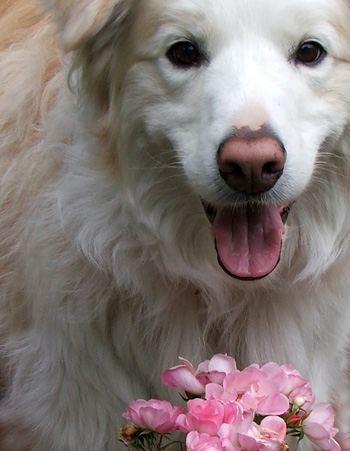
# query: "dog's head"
(247, 99)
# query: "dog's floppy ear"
(80, 19)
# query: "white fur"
(104, 241)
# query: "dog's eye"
(185, 54)
(310, 53)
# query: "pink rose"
(240, 423)
(290, 383)
(270, 435)
(265, 399)
(183, 377)
(276, 373)
(297, 388)
(252, 389)
(234, 413)
(343, 440)
(215, 369)
(154, 415)
(202, 442)
(319, 427)
(235, 384)
(204, 416)
(187, 378)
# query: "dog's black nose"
(251, 163)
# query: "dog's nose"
(251, 164)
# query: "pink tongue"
(248, 240)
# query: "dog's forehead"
(244, 9)
(239, 16)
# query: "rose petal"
(182, 377)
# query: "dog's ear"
(79, 20)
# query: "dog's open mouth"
(248, 238)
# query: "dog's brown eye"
(310, 53)
(185, 54)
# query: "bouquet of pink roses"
(226, 409)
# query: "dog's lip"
(284, 212)
(210, 211)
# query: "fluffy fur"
(108, 263)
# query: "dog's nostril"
(236, 170)
(271, 168)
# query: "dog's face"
(247, 94)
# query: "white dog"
(151, 151)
